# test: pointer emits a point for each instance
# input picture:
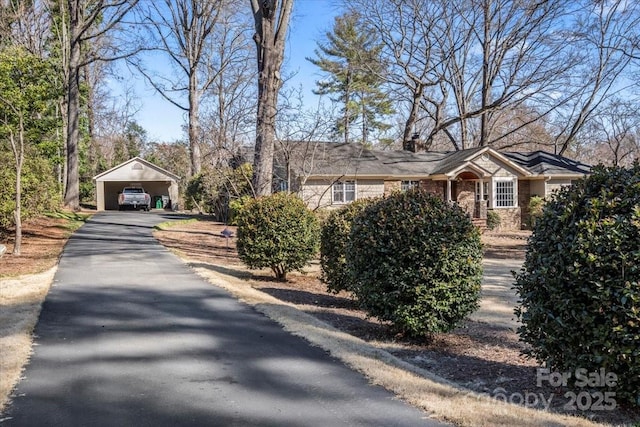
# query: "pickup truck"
(134, 197)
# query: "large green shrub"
(579, 287)
(536, 204)
(333, 245)
(415, 261)
(40, 191)
(277, 232)
(235, 208)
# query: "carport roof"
(104, 175)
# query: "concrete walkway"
(129, 336)
(498, 298)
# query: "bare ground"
(24, 283)
(480, 356)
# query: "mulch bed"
(478, 356)
(42, 241)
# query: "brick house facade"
(480, 180)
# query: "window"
(344, 191)
(485, 190)
(409, 185)
(505, 193)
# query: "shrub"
(40, 191)
(333, 245)
(415, 261)
(579, 288)
(493, 220)
(235, 208)
(277, 232)
(322, 215)
(536, 203)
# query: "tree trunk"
(347, 111)
(18, 151)
(268, 85)
(271, 23)
(194, 125)
(486, 80)
(410, 124)
(72, 189)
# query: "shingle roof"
(543, 163)
(331, 159)
(454, 159)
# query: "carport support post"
(100, 195)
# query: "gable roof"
(455, 159)
(338, 159)
(155, 168)
(543, 163)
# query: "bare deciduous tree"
(271, 19)
(185, 31)
(600, 34)
(229, 105)
(466, 62)
(411, 32)
(615, 132)
(25, 24)
(88, 24)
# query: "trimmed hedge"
(333, 245)
(278, 232)
(579, 287)
(415, 261)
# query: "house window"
(505, 193)
(409, 185)
(344, 191)
(484, 186)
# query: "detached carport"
(136, 172)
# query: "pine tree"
(351, 59)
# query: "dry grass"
(445, 400)
(436, 376)
(24, 283)
(21, 298)
(20, 302)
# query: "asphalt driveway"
(128, 335)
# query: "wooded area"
(554, 75)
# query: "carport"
(136, 172)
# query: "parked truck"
(135, 198)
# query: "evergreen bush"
(235, 208)
(493, 220)
(278, 232)
(579, 288)
(536, 204)
(415, 261)
(333, 245)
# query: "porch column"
(448, 190)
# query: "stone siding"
(434, 187)
(465, 196)
(494, 166)
(510, 218)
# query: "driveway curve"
(128, 335)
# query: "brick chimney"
(413, 144)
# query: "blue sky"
(311, 19)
